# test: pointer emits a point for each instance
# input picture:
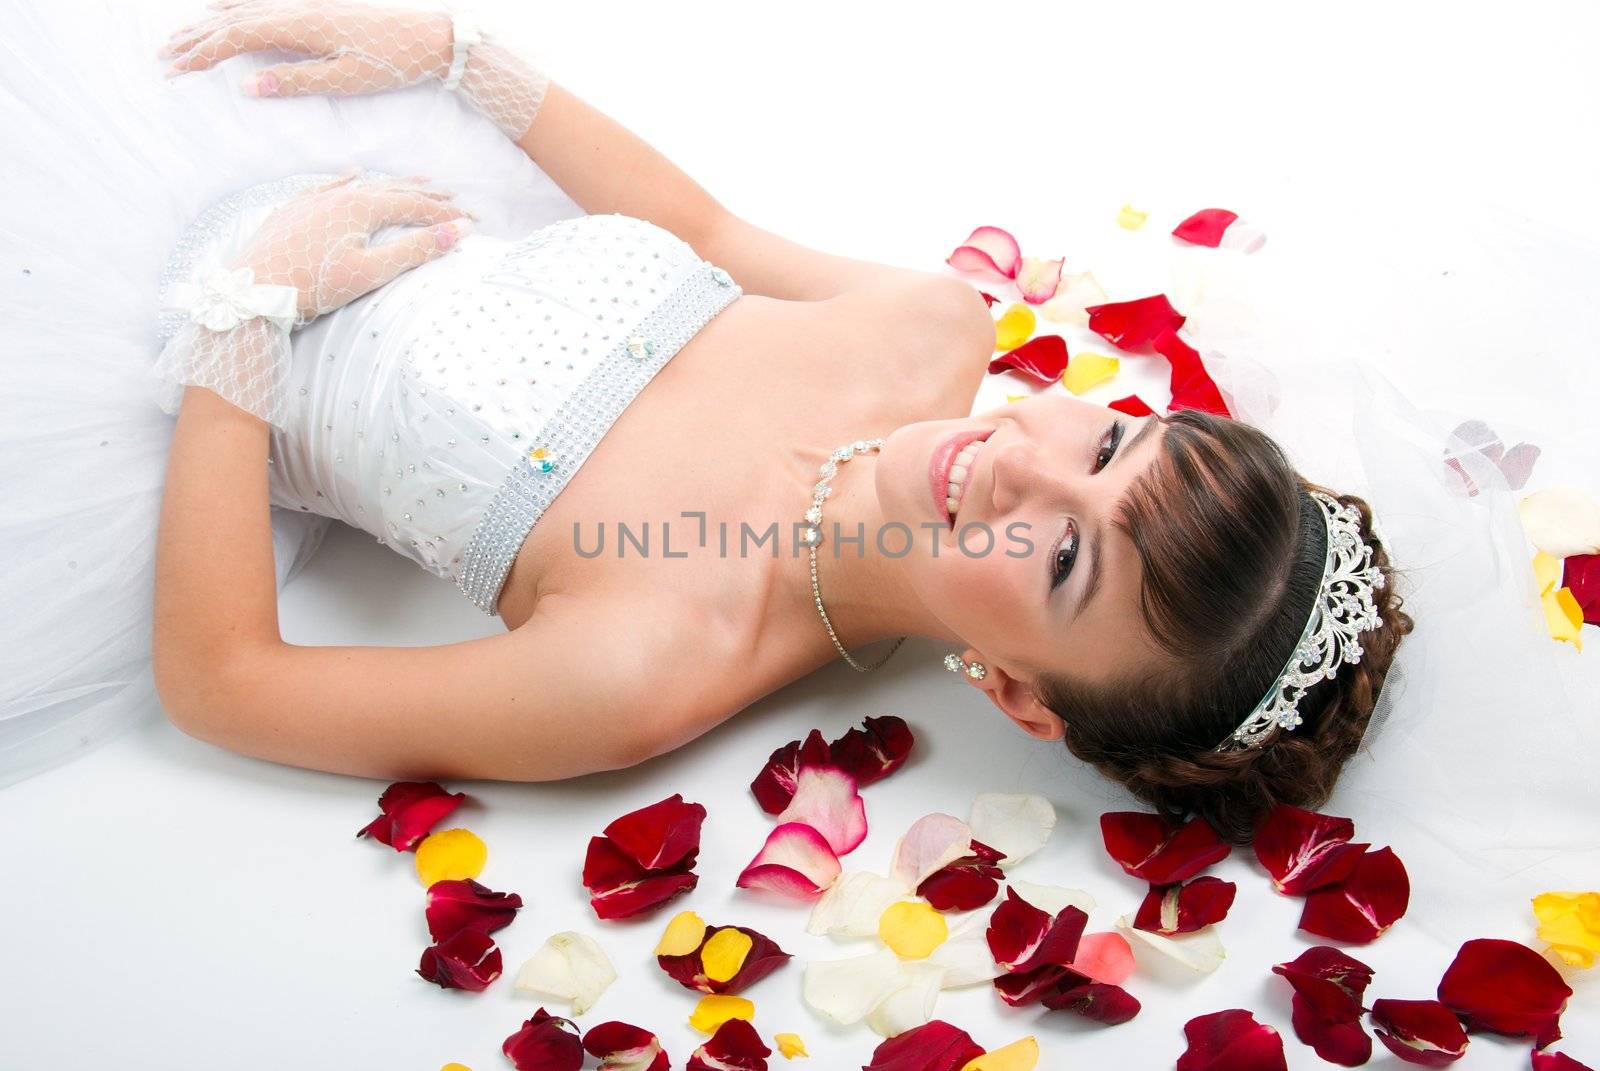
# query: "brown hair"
(1232, 553)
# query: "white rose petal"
(1015, 823)
(1562, 521)
(570, 966)
(845, 990)
(933, 842)
(1200, 951)
(911, 1005)
(965, 953)
(853, 904)
(1074, 294)
(1051, 898)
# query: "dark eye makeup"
(1066, 550)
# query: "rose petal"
(1330, 982)
(1022, 1055)
(619, 888)
(410, 810)
(1201, 951)
(966, 884)
(874, 752)
(826, 799)
(1073, 296)
(844, 991)
(1042, 359)
(1100, 1001)
(570, 966)
(1037, 278)
(1149, 847)
(1344, 1042)
(1014, 327)
(734, 1047)
(910, 1004)
(545, 1043)
(468, 960)
(717, 1008)
(1581, 576)
(1506, 988)
(795, 861)
(965, 954)
(685, 932)
(1052, 898)
(1205, 227)
(1130, 218)
(934, 1046)
(1134, 325)
(1419, 1031)
(1133, 405)
(1556, 1061)
(1231, 1040)
(1023, 937)
(454, 906)
(933, 842)
(790, 1045)
(912, 929)
(692, 970)
(989, 252)
(660, 835)
(1362, 906)
(1563, 617)
(774, 785)
(1017, 824)
(1192, 386)
(1562, 521)
(1570, 922)
(1184, 907)
(988, 298)
(1104, 957)
(451, 855)
(623, 1047)
(853, 904)
(1087, 371)
(1303, 850)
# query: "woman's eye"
(1109, 449)
(1066, 554)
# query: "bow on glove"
(362, 48)
(308, 257)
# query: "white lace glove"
(308, 257)
(363, 48)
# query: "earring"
(976, 670)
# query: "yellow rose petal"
(1570, 922)
(715, 1009)
(1086, 370)
(912, 928)
(1015, 397)
(1563, 617)
(1130, 218)
(724, 953)
(1014, 327)
(451, 855)
(790, 1045)
(455, 1067)
(1546, 572)
(682, 935)
(1017, 1056)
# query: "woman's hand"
(317, 241)
(360, 48)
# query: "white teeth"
(958, 476)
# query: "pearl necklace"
(811, 535)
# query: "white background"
(1426, 174)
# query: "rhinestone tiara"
(1341, 612)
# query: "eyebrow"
(1093, 583)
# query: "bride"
(624, 433)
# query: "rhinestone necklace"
(811, 535)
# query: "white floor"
(1426, 176)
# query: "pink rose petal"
(795, 861)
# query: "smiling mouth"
(960, 475)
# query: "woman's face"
(1033, 575)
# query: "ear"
(1016, 700)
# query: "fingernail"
(446, 235)
(261, 84)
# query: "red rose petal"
(934, 1046)
(619, 887)
(1149, 847)
(1192, 386)
(1556, 1061)
(622, 1045)
(1419, 1031)
(410, 811)
(545, 1043)
(872, 753)
(1362, 906)
(988, 298)
(1331, 982)
(454, 906)
(966, 884)
(1022, 937)
(1042, 358)
(1505, 988)
(1345, 1043)
(688, 970)
(1231, 1040)
(774, 786)
(661, 834)
(1205, 227)
(989, 252)
(1303, 850)
(1184, 907)
(1100, 1001)
(1581, 573)
(1133, 405)
(467, 960)
(1134, 325)
(734, 1047)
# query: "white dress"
(441, 413)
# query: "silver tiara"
(1343, 610)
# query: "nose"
(1022, 466)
